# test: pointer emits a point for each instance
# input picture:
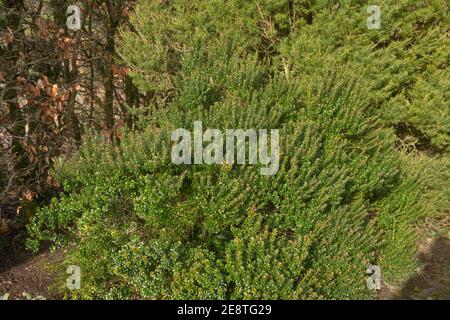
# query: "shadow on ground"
(432, 281)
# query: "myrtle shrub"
(140, 226)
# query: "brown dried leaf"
(54, 91)
(28, 195)
(55, 119)
(49, 180)
(59, 107)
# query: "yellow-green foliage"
(343, 197)
(146, 227)
(404, 63)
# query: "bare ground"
(24, 275)
(432, 281)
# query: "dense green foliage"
(404, 64)
(344, 197)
